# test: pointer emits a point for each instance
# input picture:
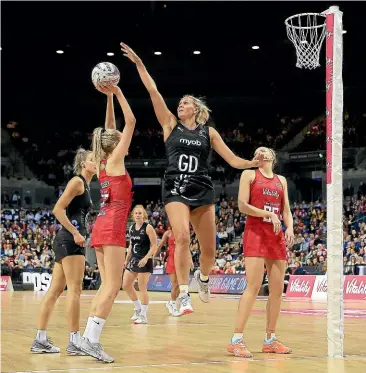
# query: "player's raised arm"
(110, 120)
(126, 136)
(166, 119)
(225, 152)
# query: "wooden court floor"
(195, 343)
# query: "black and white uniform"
(64, 244)
(140, 243)
(186, 178)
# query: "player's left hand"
(129, 53)
(289, 237)
(143, 262)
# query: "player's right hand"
(79, 239)
(277, 225)
(129, 53)
(108, 90)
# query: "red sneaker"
(276, 347)
(239, 349)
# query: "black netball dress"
(140, 243)
(64, 244)
(186, 178)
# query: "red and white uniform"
(170, 266)
(259, 239)
(116, 199)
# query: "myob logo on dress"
(190, 142)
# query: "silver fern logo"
(180, 184)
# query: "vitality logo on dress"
(271, 193)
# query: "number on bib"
(187, 163)
(271, 209)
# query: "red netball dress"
(259, 239)
(170, 266)
(116, 199)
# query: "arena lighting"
(255, 47)
(110, 54)
(196, 52)
(60, 51)
(344, 32)
(157, 53)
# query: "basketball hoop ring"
(307, 32)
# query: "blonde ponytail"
(104, 141)
(97, 147)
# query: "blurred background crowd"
(27, 237)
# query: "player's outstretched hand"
(129, 53)
(256, 161)
(108, 90)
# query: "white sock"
(144, 308)
(96, 329)
(203, 278)
(137, 305)
(273, 336)
(184, 289)
(75, 338)
(41, 335)
(236, 337)
(173, 303)
(87, 328)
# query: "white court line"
(190, 363)
(187, 364)
(175, 324)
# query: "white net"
(307, 32)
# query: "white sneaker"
(141, 320)
(176, 313)
(95, 350)
(169, 306)
(172, 310)
(185, 304)
(135, 315)
(203, 289)
(44, 347)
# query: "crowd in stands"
(27, 237)
(354, 132)
(50, 156)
